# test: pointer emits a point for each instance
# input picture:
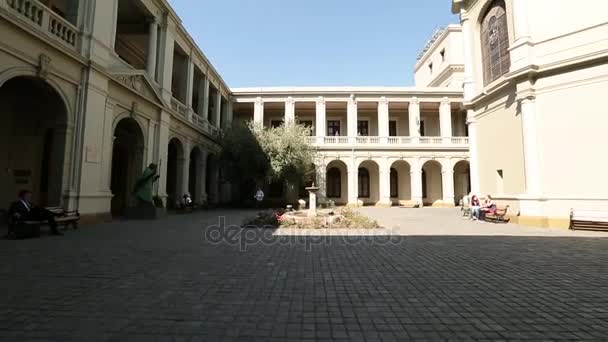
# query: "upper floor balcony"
(393, 142)
(55, 19)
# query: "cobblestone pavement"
(162, 281)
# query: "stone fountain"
(312, 200)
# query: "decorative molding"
(44, 64)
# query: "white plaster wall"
(573, 120)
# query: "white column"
(166, 60)
(445, 120)
(522, 50)
(229, 114)
(152, 48)
(290, 111)
(320, 120)
(185, 162)
(218, 109)
(385, 182)
(203, 172)
(531, 149)
(189, 86)
(473, 152)
(352, 118)
(163, 151)
(258, 112)
(521, 23)
(447, 181)
(416, 180)
(353, 186)
(383, 112)
(469, 67)
(414, 118)
(205, 104)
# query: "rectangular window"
(333, 128)
(363, 128)
(392, 128)
(431, 68)
(442, 53)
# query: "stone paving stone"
(162, 281)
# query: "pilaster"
(445, 120)
(414, 119)
(290, 111)
(352, 118)
(258, 111)
(383, 114)
(320, 119)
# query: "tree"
(252, 154)
(287, 149)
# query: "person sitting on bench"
(24, 210)
(488, 207)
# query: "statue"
(144, 185)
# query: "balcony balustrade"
(35, 14)
(389, 142)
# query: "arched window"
(495, 42)
(334, 183)
(394, 183)
(363, 183)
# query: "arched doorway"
(401, 185)
(336, 182)
(194, 175)
(369, 182)
(212, 179)
(462, 180)
(32, 141)
(432, 185)
(175, 160)
(127, 163)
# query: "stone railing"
(43, 18)
(204, 125)
(179, 107)
(388, 141)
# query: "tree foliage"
(287, 149)
(252, 154)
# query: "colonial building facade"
(93, 91)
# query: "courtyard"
(168, 281)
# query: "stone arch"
(33, 140)
(432, 182)
(127, 162)
(33, 73)
(336, 181)
(368, 182)
(462, 180)
(175, 163)
(400, 182)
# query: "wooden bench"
(498, 216)
(22, 229)
(588, 220)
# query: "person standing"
(24, 210)
(259, 198)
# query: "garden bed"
(342, 218)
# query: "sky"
(261, 43)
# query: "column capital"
(445, 101)
(259, 100)
(415, 101)
(383, 101)
(152, 20)
(352, 99)
(320, 100)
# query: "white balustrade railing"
(44, 19)
(391, 141)
(431, 140)
(179, 107)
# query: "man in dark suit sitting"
(23, 210)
